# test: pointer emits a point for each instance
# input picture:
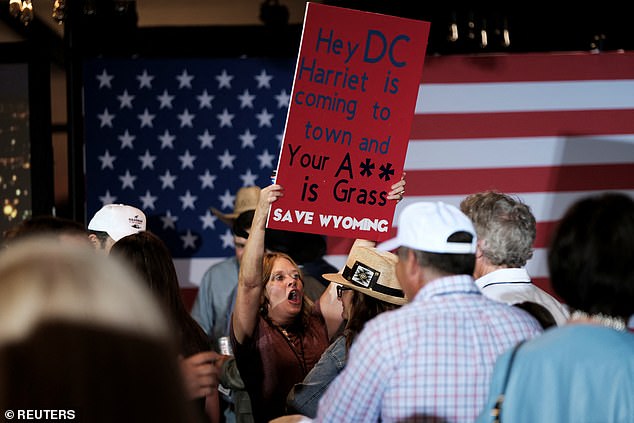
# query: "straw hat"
(371, 272)
(246, 199)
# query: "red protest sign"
(349, 121)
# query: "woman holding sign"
(277, 334)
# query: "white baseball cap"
(118, 220)
(427, 226)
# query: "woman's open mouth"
(294, 296)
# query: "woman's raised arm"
(250, 285)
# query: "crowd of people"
(442, 323)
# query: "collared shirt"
(513, 286)
(430, 360)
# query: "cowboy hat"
(246, 199)
(371, 272)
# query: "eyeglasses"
(340, 289)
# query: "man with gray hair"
(506, 232)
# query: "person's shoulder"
(390, 321)
(546, 298)
(339, 342)
(221, 272)
(224, 265)
(390, 334)
(593, 334)
(557, 343)
(501, 313)
(337, 350)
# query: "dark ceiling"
(531, 28)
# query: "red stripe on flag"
(528, 67)
(522, 124)
(188, 295)
(544, 233)
(520, 179)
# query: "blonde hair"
(43, 281)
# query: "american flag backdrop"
(175, 137)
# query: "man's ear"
(94, 241)
(479, 253)
(412, 268)
(412, 273)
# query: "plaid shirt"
(431, 360)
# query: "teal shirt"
(574, 373)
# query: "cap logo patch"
(363, 275)
(136, 222)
